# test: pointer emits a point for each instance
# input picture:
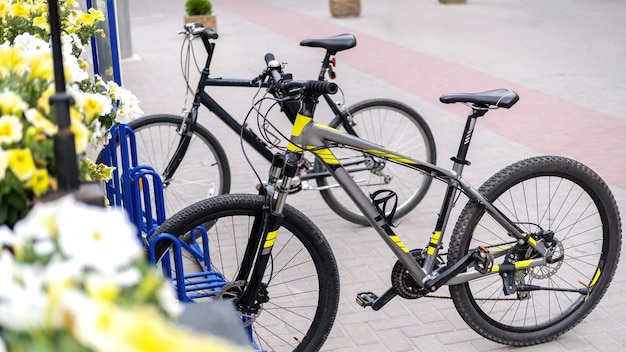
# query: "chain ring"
(402, 281)
(233, 290)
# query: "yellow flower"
(11, 129)
(11, 60)
(11, 103)
(20, 10)
(81, 136)
(87, 19)
(98, 15)
(4, 8)
(92, 107)
(39, 182)
(110, 328)
(41, 22)
(21, 163)
(40, 122)
(44, 101)
(4, 163)
(99, 288)
(41, 67)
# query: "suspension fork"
(265, 229)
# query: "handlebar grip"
(269, 57)
(274, 67)
(208, 33)
(321, 87)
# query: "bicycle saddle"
(332, 44)
(501, 98)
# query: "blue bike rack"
(138, 189)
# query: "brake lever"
(260, 78)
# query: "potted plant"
(201, 11)
(345, 8)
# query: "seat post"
(325, 66)
(460, 160)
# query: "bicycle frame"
(201, 97)
(317, 138)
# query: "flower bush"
(27, 121)
(73, 278)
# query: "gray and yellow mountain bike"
(532, 252)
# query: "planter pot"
(208, 21)
(345, 8)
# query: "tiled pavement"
(564, 58)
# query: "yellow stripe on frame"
(299, 124)
(326, 155)
(390, 156)
(399, 243)
(271, 237)
(434, 240)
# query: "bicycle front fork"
(265, 231)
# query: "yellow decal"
(399, 243)
(434, 241)
(523, 264)
(595, 278)
(326, 155)
(292, 147)
(530, 239)
(298, 126)
(271, 237)
(389, 156)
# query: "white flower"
(10, 129)
(7, 238)
(40, 224)
(92, 321)
(31, 44)
(169, 301)
(97, 239)
(72, 66)
(128, 108)
(23, 302)
(38, 120)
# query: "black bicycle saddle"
(332, 44)
(501, 98)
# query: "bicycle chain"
(405, 286)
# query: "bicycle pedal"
(366, 299)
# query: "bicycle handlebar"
(196, 29)
(288, 86)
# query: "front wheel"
(391, 124)
(298, 304)
(203, 172)
(566, 205)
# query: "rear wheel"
(566, 205)
(296, 310)
(391, 124)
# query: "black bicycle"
(194, 165)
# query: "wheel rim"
(199, 174)
(288, 321)
(391, 128)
